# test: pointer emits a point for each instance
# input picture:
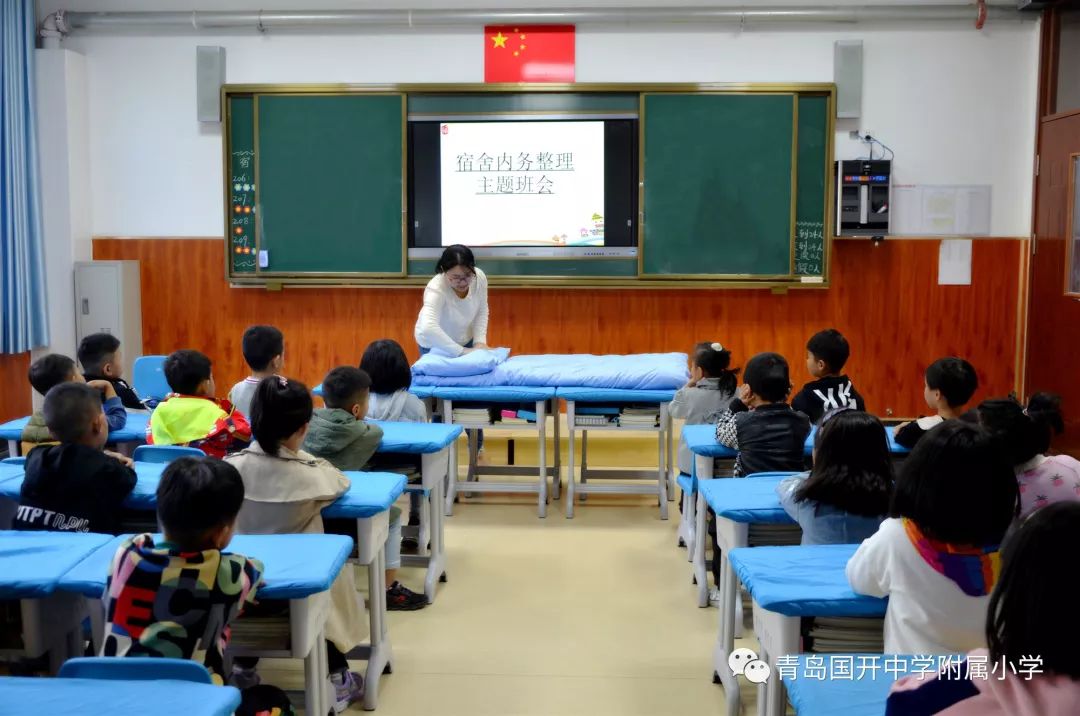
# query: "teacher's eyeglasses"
(460, 279)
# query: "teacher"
(454, 317)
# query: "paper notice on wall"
(928, 210)
(954, 262)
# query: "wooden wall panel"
(885, 299)
(14, 388)
(1053, 340)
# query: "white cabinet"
(107, 300)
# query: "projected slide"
(522, 183)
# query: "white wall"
(956, 105)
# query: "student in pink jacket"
(1031, 617)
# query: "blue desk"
(31, 567)
(498, 395)
(435, 443)
(134, 433)
(864, 696)
(788, 583)
(420, 391)
(299, 568)
(579, 481)
(29, 697)
(737, 503)
(701, 439)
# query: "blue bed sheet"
(803, 581)
(133, 432)
(296, 566)
(417, 438)
(614, 395)
(496, 394)
(32, 563)
(30, 697)
(477, 362)
(863, 695)
(643, 371)
(369, 494)
(746, 499)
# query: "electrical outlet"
(855, 134)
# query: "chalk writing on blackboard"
(809, 248)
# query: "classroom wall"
(885, 299)
(955, 104)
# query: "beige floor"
(594, 615)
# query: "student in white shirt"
(937, 556)
(454, 317)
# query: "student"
(264, 351)
(51, 370)
(101, 359)
(1030, 617)
(826, 354)
(192, 416)
(769, 435)
(339, 434)
(936, 557)
(76, 486)
(286, 490)
(385, 362)
(1025, 435)
(708, 392)
(844, 498)
(950, 383)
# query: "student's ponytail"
(280, 407)
(1044, 410)
(714, 359)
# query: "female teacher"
(454, 317)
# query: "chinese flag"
(529, 53)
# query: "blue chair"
(14, 461)
(134, 668)
(164, 454)
(148, 378)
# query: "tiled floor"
(594, 615)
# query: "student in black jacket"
(826, 353)
(99, 354)
(950, 383)
(75, 486)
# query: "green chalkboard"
(718, 184)
(330, 178)
(240, 190)
(810, 204)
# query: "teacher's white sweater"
(447, 322)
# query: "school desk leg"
(669, 430)
(704, 469)
(571, 480)
(436, 568)
(316, 681)
(687, 528)
(778, 635)
(382, 652)
(661, 472)
(556, 482)
(13, 448)
(541, 425)
(451, 479)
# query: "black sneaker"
(410, 545)
(400, 598)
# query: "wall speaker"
(209, 76)
(848, 75)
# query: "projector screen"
(518, 183)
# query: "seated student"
(1030, 617)
(1025, 435)
(285, 491)
(99, 354)
(264, 351)
(826, 354)
(385, 362)
(206, 589)
(769, 435)
(192, 416)
(936, 557)
(339, 434)
(950, 383)
(51, 370)
(844, 498)
(76, 486)
(708, 392)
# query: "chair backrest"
(148, 378)
(134, 668)
(14, 461)
(164, 454)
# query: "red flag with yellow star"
(529, 53)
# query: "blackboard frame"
(826, 90)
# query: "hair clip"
(283, 381)
(716, 347)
